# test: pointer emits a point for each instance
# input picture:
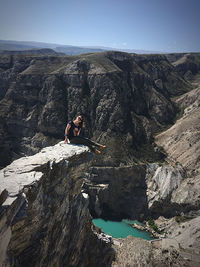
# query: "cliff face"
(124, 98)
(188, 64)
(45, 219)
(182, 143)
(140, 190)
(117, 192)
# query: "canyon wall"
(124, 98)
(44, 216)
(142, 108)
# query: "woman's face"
(79, 118)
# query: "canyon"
(145, 108)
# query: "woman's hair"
(82, 123)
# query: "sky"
(153, 25)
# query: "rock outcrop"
(181, 249)
(187, 235)
(117, 192)
(162, 182)
(138, 191)
(44, 216)
(137, 252)
(188, 65)
(182, 143)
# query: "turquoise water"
(121, 229)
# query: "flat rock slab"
(23, 172)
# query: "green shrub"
(153, 225)
(180, 113)
(180, 219)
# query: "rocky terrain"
(182, 143)
(137, 252)
(124, 98)
(145, 108)
(44, 216)
(173, 189)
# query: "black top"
(71, 130)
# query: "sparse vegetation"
(153, 225)
(99, 60)
(149, 153)
(179, 114)
(176, 85)
(180, 219)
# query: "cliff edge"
(44, 216)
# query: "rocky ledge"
(44, 217)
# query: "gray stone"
(162, 182)
(45, 219)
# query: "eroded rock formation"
(117, 192)
(126, 99)
(182, 143)
(45, 219)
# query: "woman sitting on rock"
(72, 133)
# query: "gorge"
(145, 108)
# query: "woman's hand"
(66, 133)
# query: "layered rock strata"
(182, 143)
(124, 98)
(44, 218)
(117, 192)
(136, 191)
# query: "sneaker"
(97, 151)
(102, 146)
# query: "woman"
(72, 134)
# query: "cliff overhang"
(44, 216)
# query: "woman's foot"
(102, 146)
(97, 151)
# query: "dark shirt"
(71, 130)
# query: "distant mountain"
(11, 45)
(67, 49)
(34, 51)
(76, 50)
(15, 46)
(135, 51)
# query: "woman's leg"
(88, 142)
(77, 140)
(85, 141)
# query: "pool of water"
(121, 229)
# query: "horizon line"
(99, 47)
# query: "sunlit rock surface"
(45, 219)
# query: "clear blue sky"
(156, 25)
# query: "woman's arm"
(79, 132)
(66, 133)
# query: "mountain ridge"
(67, 49)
